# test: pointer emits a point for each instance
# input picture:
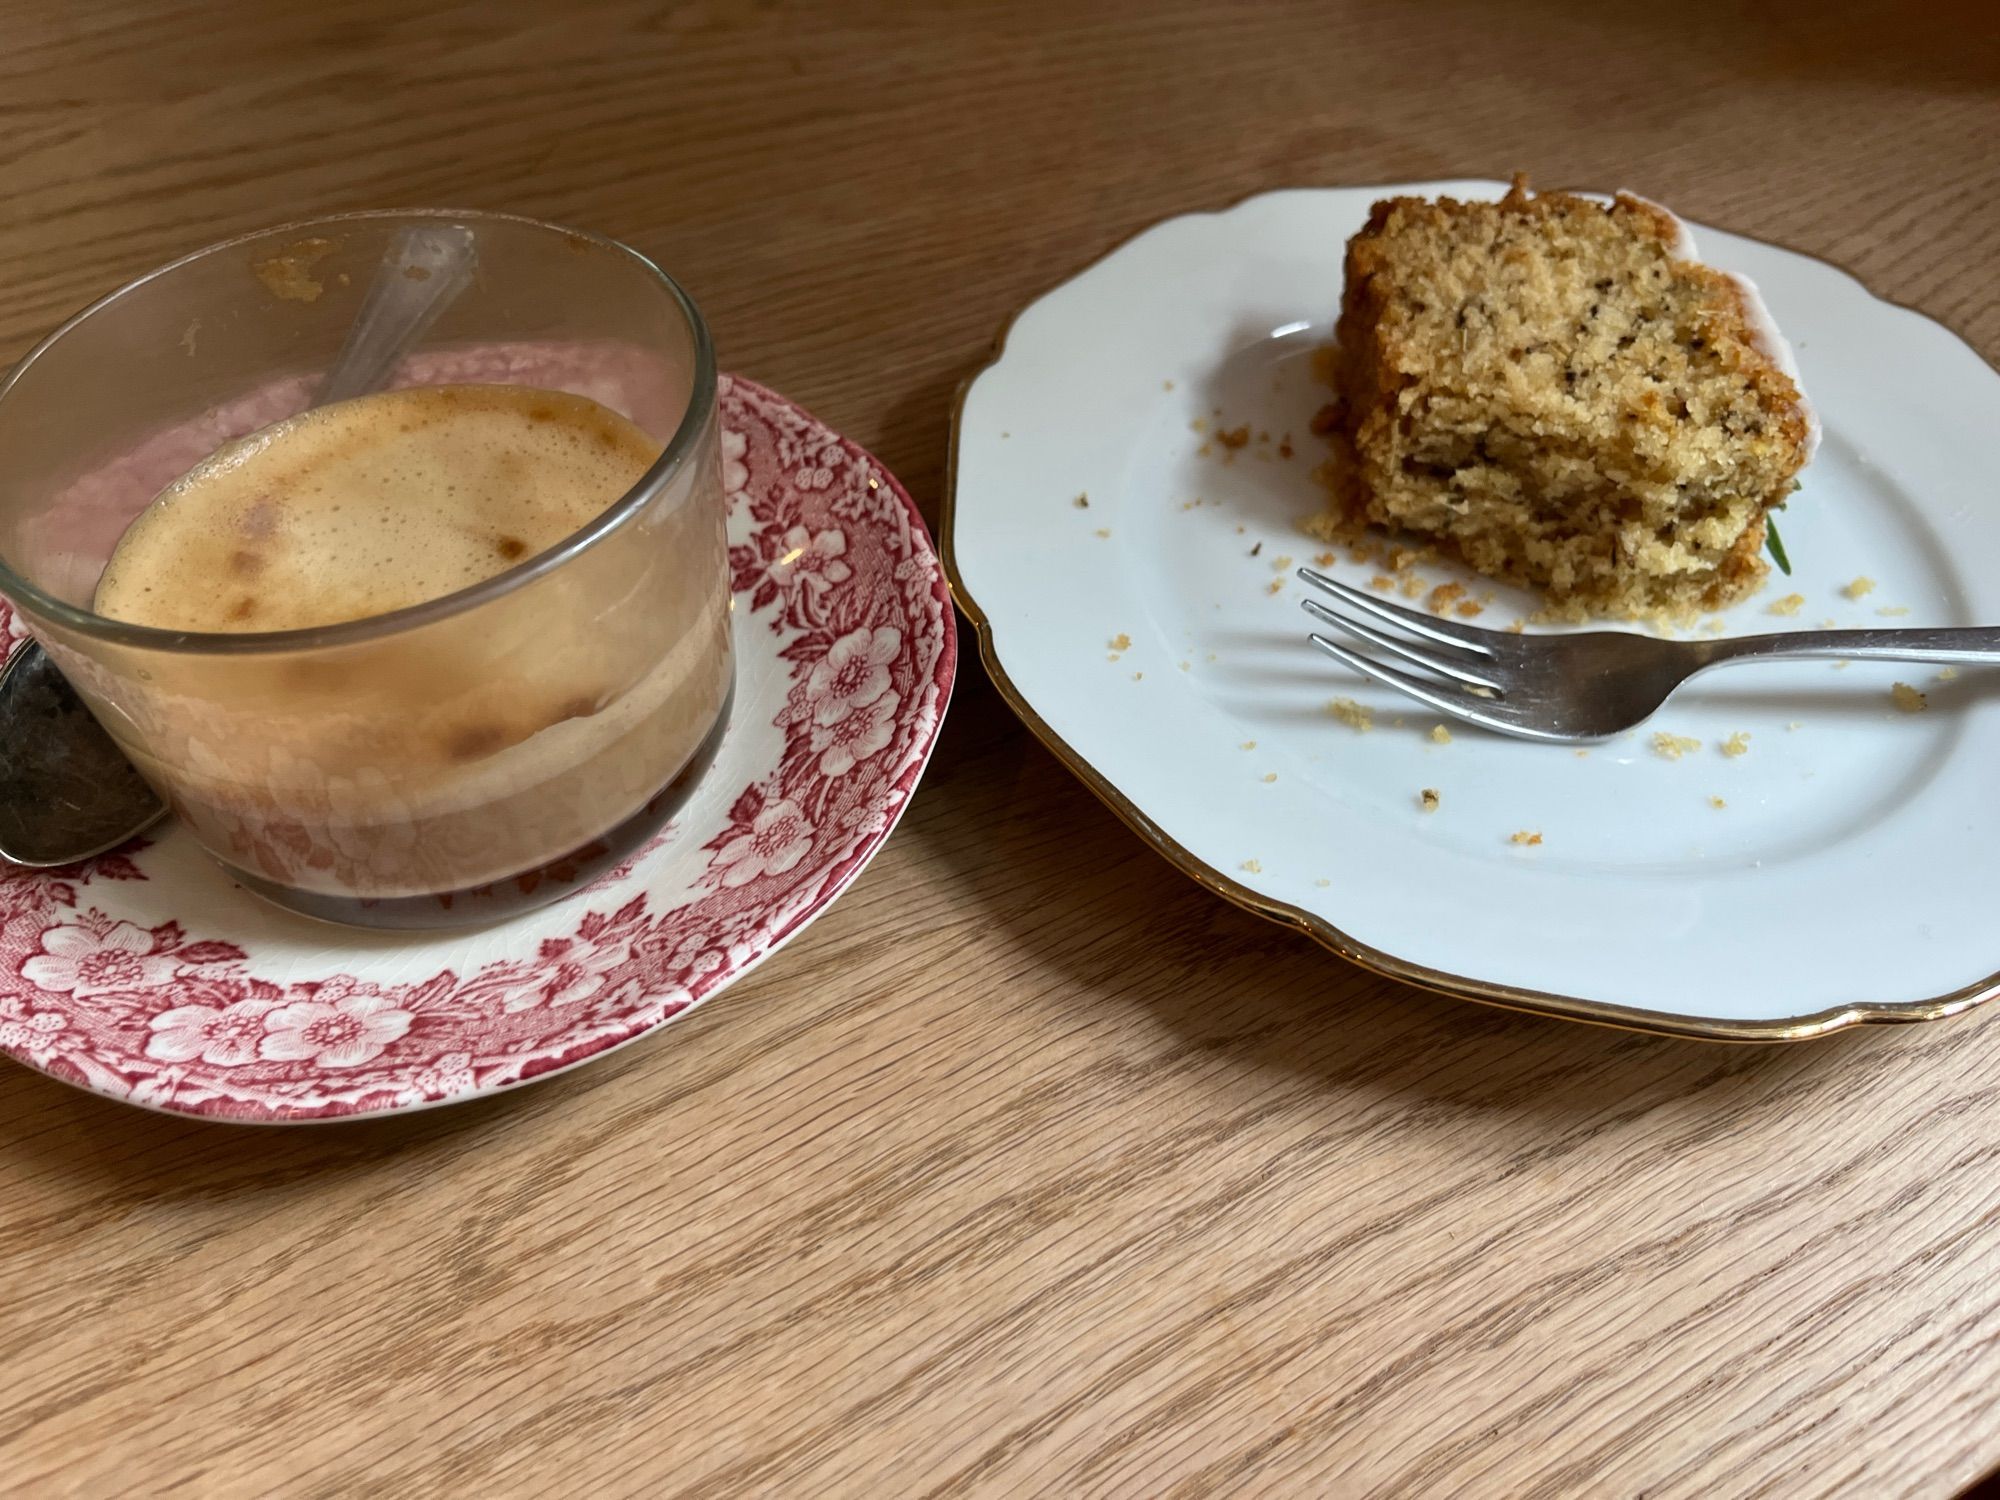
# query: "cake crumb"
(1138, 676)
(1908, 699)
(1248, 745)
(1737, 744)
(1674, 746)
(1860, 588)
(1397, 722)
(1281, 564)
(1440, 734)
(1270, 776)
(1166, 385)
(1322, 882)
(1842, 666)
(1324, 559)
(1186, 666)
(1198, 425)
(1947, 674)
(1382, 583)
(1427, 799)
(1583, 755)
(1357, 716)
(1121, 642)
(1791, 604)
(1796, 724)
(1525, 837)
(1892, 611)
(1469, 609)
(1413, 586)
(1714, 627)
(1828, 623)
(1239, 531)
(1232, 438)
(1717, 802)
(1082, 502)
(1277, 586)
(1443, 597)
(1517, 627)
(1255, 867)
(1401, 558)
(1104, 531)
(1285, 446)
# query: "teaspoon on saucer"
(67, 791)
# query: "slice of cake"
(1561, 395)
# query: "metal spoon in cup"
(67, 791)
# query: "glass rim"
(673, 457)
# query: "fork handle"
(1970, 644)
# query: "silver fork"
(1571, 689)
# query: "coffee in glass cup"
(418, 658)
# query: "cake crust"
(1554, 391)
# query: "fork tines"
(1453, 654)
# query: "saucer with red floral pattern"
(148, 976)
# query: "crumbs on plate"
(1255, 867)
(1860, 588)
(1737, 744)
(1674, 746)
(1440, 734)
(1121, 642)
(1717, 802)
(1526, 838)
(1947, 674)
(1082, 501)
(1791, 604)
(1357, 716)
(1428, 799)
(1443, 597)
(1908, 699)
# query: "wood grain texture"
(1030, 1169)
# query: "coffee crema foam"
(371, 505)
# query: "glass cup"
(440, 765)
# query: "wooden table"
(1031, 1168)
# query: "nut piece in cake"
(1559, 393)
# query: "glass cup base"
(543, 885)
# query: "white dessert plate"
(149, 976)
(1821, 858)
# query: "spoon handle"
(423, 272)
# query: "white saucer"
(1838, 870)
